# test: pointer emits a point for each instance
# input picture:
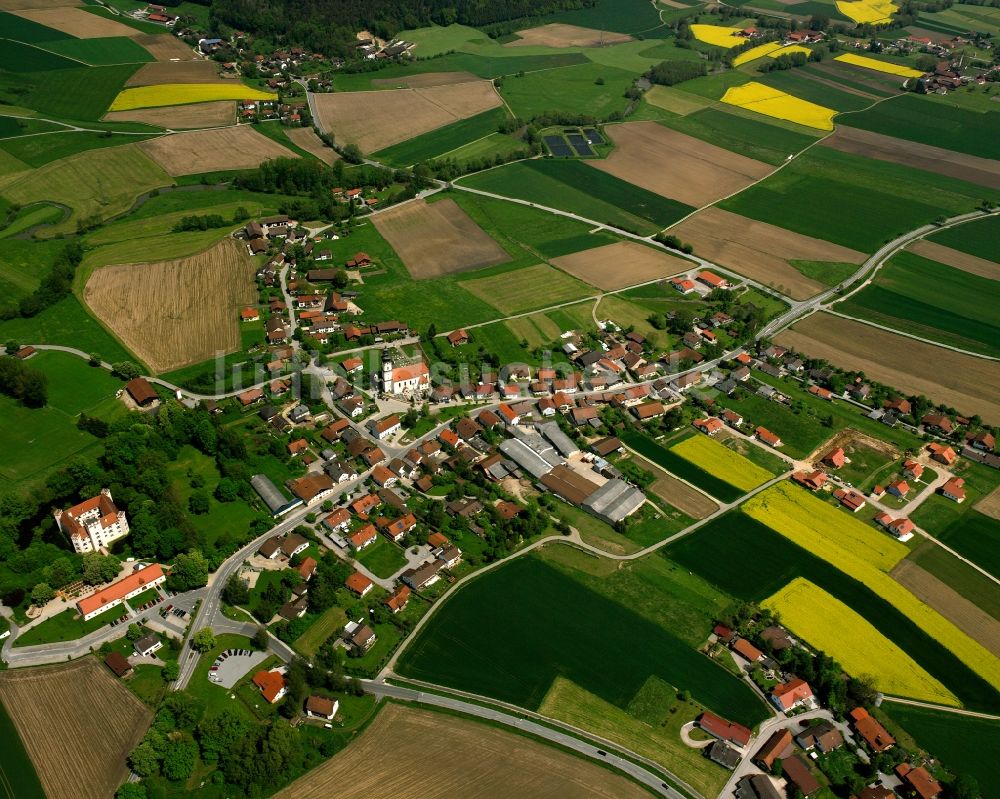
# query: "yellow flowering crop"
(867, 555)
(826, 623)
(718, 35)
(763, 99)
(184, 93)
(724, 463)
(878, 66)
(757, 52)
(872, 12)
(792, 48)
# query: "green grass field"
(829, 273)
(320, 630)
(681, 467)
(977, 238)
(83, 93)
(568, 90)
(383, 558)
(74, 385)
(801, 85)
(38, 151)
(964, 745)
(527, 289)
(522, 625)
(576, 187)
(623, 16)
(933, 301)
(920, 120)
(16, 771)
(25, 30)
(23, 264)
(437, 143)
(64, 627)
(720, 550)
(17, 57)
(101, 52)
(854, 201)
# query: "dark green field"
(508, 634)
(921, 120)
(574, 186)
(805, 88)
(965, 745)
(24, 30)
(977, 238)
(590, 89)
(17, 57)
(958, 575)
(82, 93)
(101, 52)
(726, 550)
(17, 775)
(438, 142)
(934, 301)
(622, 16)
(977, 537)
(37, 151)
(760, 140)
(684, 469)
(854, 201)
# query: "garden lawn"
(383, 558)
(64, 627)
(854, 201)
(73, 384)
(681, 467)
(722, 462)
(332, 620)
(573, 186)
(964, 745)
(720, 550)
(934, 301)
(828, 625)
(520, 626)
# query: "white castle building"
(94, 523)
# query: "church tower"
(386, 372)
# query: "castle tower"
(386, 372)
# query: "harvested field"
(621, 264)
(677, 492)
(164, 47)
(956, 258)
(175, 313)
(307, 139)
(433, 756)
(972, 385)
(558, 35)
(990, 504)
(761, 251)
(676, 101)
(425, 80)
(176, 72)
(54, 708)
(77, 22)
(677, 166)
(178, 117)
(378, 119)
(982, 171)
(18, 5)
(437, 239)
(965, 615)
(213, 150)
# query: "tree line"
(56, 285)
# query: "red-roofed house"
(835, 458)
(363, 537)
(507, 414)
(93, 523)
(822, 393)
(272, 685)
(399, 599)
(249, 314)
(871, 731)
(712, 280)
(769, 438)
(898, 488)
(913, 469)
(359, 584)
(458, 337)
(298, 447)
(743, 647)
(919, 781)
(942, 453)
(792, 694)
(954, 489)
(116, 593)
(307, 568)
(448, 437)
(353, 365)
(851, 500)
(683, 285)
(709, 426)
(724, 730)
(900, 528)
(811, 480)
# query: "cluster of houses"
(372, 48)
(156, 14)
(291, 113)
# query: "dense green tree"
(190, 571)
(203, 640)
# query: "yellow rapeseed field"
(878, 66)
(872, 12)
(183, 93)
(792, 48)
(718, 35)
(759, 51)
(763, 99)
(722, 462)
(866, 555)
(828, 624)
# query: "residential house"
(778, 746)
(898, 488)
(423, 576)
(813, 480)
(272, 685)
(362, 638)
(742, 647)
(871, 731)
(399, 599)
(322, 707)
(457, 338)
(769, 438)
(683, 285)
(312, 488)
(363, 537)
(297, 447)
(307, 568)
(918, 781)
(732, 418)
(709, 426)
(942, 453)
(147, 645)
(383, 477)
(850, 499)
(835, 458)
(954, 489)
(900, 528)
(900, 406)
(712, 280)
(359, 584)
(339, 520)
(118, 664)
(913, 469)
(797, 773)
(384, 428)
(792, 694)
(937, 423)
(822, 393)
(983, 441)
(822, 735)
(396, 529)
(292, 544)
(648, 410)
(722, 753)
(724, 730)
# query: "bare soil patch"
(20, 5)
(178, 117)
(990, 504)
(981, 171)
(176, 72)
(164, 46)
(965, 615)
(77, 723)
(676, 492)
(375, 120)
(624, 263)
(179, 312)
(934, 36)
(956, 258)
(409, 753)
(761, 251)
(76, 22)
(972, 385)
(558, 35)
(213, 150)
(437, 239)
(307, 139)
(677, 166)
(426, 80)
(851, 440)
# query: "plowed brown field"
(77, 22)
(307, 139)
(175, 313)
(408, 753)
(178, 117)
(213, 150)
(677, 166)
(164, 47)
(177, 72)
(558, 35)
(624, 263)
(956, 258)
(78, 723)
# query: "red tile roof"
(271, 684)
(726, 730)
(118, 590)
(358, 583)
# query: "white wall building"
(93, 524)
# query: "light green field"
(527, 289)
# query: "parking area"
(232, 664)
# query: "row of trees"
(56, 285)
(20, 381)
